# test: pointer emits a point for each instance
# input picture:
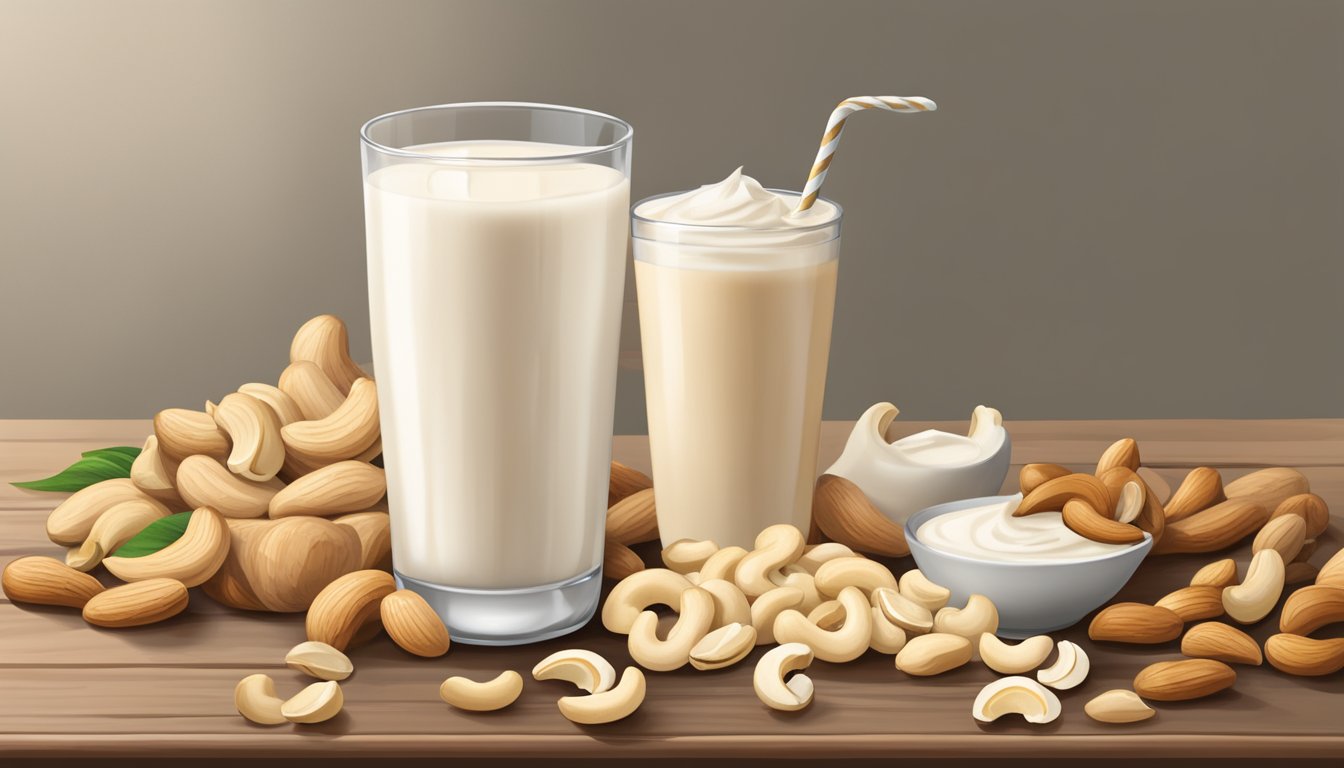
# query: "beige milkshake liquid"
(736, 331)
(495, 297)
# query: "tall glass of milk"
(497, 240)
(736, 296)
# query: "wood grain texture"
(70, 689)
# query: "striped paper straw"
(830, 141)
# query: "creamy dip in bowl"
(1040, 575)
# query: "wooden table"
(68, 688)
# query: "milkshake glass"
(736, 297)
(497, 240)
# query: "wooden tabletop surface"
(68, 688)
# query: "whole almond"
(633, 519)
(137, 604)
(346, 611)
(1308, 506)
(1081, 518)
(625, 481)
(1268, 487)
(842, 511)
(1122, 453)
(1194, 603)
(47, 581)
(1152, 517)
(1223, 642)
(1220, 573)
(1332, 573)
(1300, 573)
(1201, 489)
(1310, 608)
(1032, 475)
(1135, 623)
(1183, 680)
(1286, 534)
(413, 624)
(619, 561)
(345, 486)
(1212, 529)
(1299, 655)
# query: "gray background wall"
(1122, 209)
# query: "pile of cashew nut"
(822, 602)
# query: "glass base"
(511, 616)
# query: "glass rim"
(627, 131)
(833, 221)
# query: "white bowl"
(1033, 597)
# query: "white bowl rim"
(955, 506)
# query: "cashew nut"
(585, 669)
(917, 587)
(730, 605)
(608, 706)
(829, 615)
(902, 611)
(487, 696)
(805, 583)
(1016, 695)
(768, 679)
(1257, 594)
(693, 623)
(634, 593)
(317, 659)
(722, 564)
(345, 433)
(844, 644)
(767, 607)
(1014, 659)
(1131, 502)
(776, 547)
(979, 616)
(887, 637)
(314, 704)
(192, 559)
(254, 429)
(113, 528)
(813, 556)
(686, 555)
(867, 575)
(1118, 706)
(255, 699)
(1069, 670)
(723, 647)
(933, 654)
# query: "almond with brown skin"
(1135, 623)
(625, 481)
(1032, 475)
(1223, 642)
(47, 581)
(1306, 656)
(1310, 608)
(633, 519)
(1215, 528)
(1219, 573)
(1194, 603)
(619, 561)
(1051, 495)
(137, 604)
(1201, 489)
(845, 515)
(1268, 487)
(1183, 680)
(1122, 453)
(1332, 573)
(1300, 573)
(413, 625)
(346, 486)
(1286, 534)
(1081, 518)
(1308, 506)
(346, 611)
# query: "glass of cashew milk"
(497, 237)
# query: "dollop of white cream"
(991, 533)
(737, 201)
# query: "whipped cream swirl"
(992, 533)
(737, 201)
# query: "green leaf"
(122, 455)
(93, 467)
(155, 536)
